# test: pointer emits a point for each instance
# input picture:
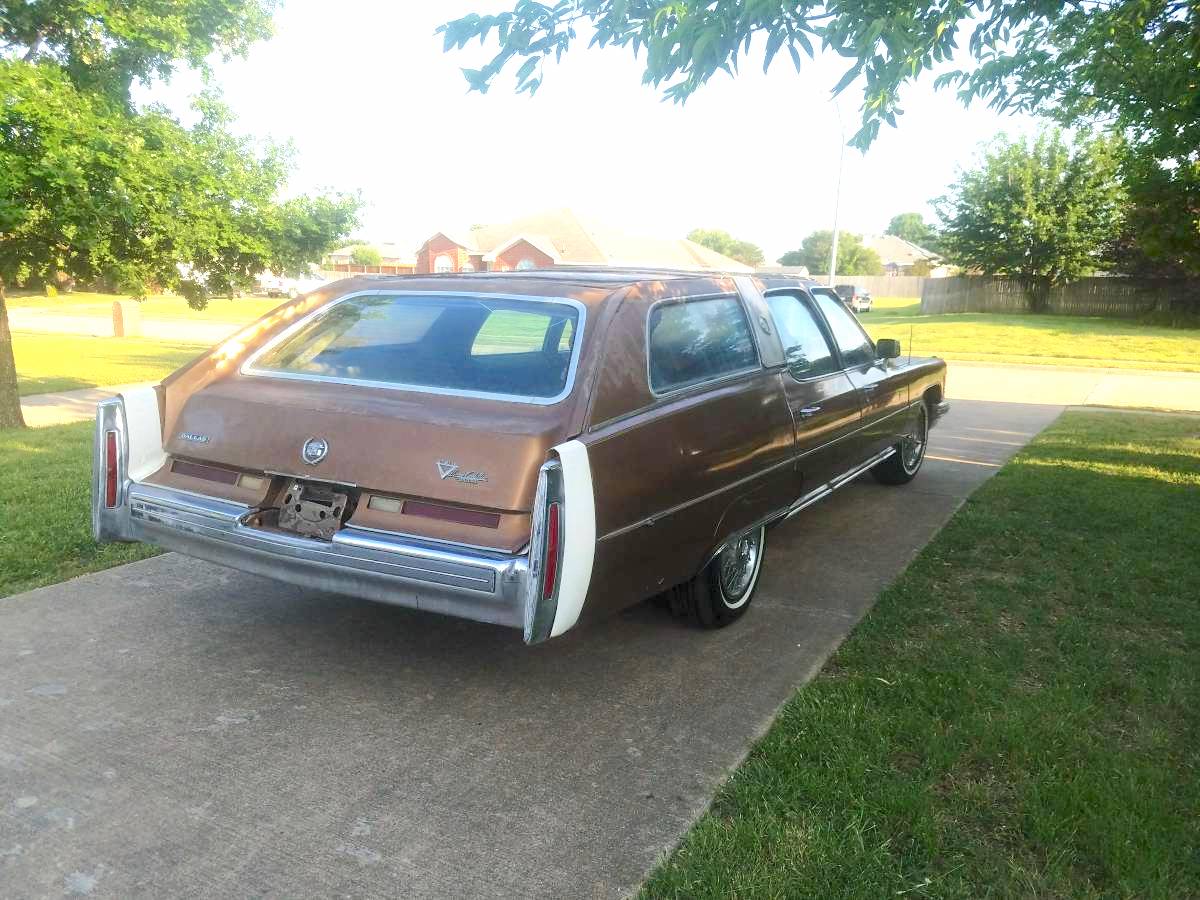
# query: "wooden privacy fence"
(877, 285)
(1086, 297)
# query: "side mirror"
(887, 348)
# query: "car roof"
(584, 283)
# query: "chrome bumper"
(471, 584)
(939, 411)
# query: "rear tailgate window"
(513, 349)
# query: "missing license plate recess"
(312, 510)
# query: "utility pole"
(837, 195)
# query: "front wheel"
(903, 465)
(720, 594)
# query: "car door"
(824, 402)
(883, 388)
(707, 450)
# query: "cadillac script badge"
(447, 469)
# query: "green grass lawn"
(161, 307)
(45, 517)
(1017, 717)
(64, 362)
(1046, 340)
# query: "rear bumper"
(470, 584)
(449, 579)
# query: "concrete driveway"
(171, 728)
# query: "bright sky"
(364, 91)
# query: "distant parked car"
(855, 296)
(277, 286)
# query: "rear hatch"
(467, 454)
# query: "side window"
(805, 346)
(698, 341)
(854, 345)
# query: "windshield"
(449, 344)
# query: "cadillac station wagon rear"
(531, 449)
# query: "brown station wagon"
(531, 449)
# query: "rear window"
(698, 341)
(444, 343)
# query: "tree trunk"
(10, 400)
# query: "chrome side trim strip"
(650, 520)
(833, 484)
(816, 495)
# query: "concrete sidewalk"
(1058, 385)
(186, 331)
(64, 407)
(1074, 386)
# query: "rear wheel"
(720, 594)
(903, 465)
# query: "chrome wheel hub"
(738, 564)
(912, 448)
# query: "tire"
(713, 601)
(903, 465)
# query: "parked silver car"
(855, 296)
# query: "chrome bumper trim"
(471, 584)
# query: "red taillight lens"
(110, 469)
(550, 577)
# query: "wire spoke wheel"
(738, 566)
(912, 447)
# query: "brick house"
(560, 238)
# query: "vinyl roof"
(588, 285)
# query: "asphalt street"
(174, 729)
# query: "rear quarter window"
(697, 341)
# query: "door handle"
(808, 411)
(870, 388)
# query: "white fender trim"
(579, 534)
(144, 432)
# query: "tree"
(853, 258)
(912, 228)
(1042, 211)
(93, 189)
(724, 243)
(1129, 65)
(365, 255)
(104, 46)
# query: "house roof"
(570, 239)
(897, 251)
(538, 241)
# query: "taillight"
(110, 469)
(545, 555)
(550, 570)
